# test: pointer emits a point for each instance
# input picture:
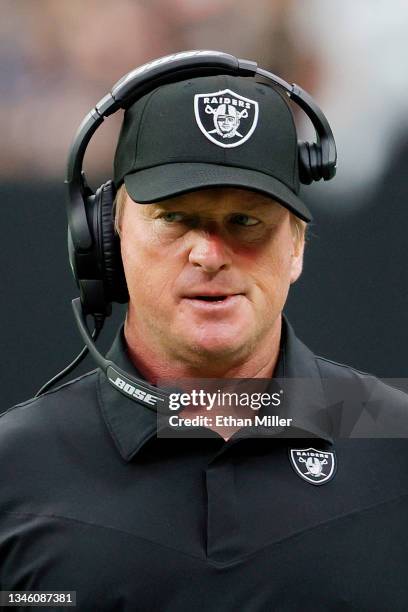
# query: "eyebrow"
(250, 204)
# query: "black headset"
(93, 245)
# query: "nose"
(209, 251)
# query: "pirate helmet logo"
(226, 118)
(313, 465)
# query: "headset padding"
(107, 240)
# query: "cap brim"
(169, 180)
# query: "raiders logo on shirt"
(313, 465)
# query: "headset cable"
(99, 321)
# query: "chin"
(218, 345)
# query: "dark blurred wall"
(38, 334)
(350, 305)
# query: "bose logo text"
(133, 391)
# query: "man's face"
(226, 118)
(208, 272)
(226, 123)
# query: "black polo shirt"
(92, 500)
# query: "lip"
(229, 302)
(213, 293)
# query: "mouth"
(214, 301)
(211, 298)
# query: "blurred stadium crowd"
(60, 56)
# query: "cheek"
(273, 278)
(272, 275)
(150, 268)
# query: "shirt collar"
(131, 424)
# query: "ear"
(297, 256)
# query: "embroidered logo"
(226, 118)
(312, 465)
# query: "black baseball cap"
(216, 131)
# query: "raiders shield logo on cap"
(317, 467)
(226, 118)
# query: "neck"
(155, 362)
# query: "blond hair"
(119, 207)
(298, 225)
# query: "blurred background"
(59, 57)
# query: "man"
(102, 497)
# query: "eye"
(173, 216)
(245, 220)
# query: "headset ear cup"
(315, 154)
(310, 162)
(120, 292)
(72, 257)
(305, 170)
(109, 247)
